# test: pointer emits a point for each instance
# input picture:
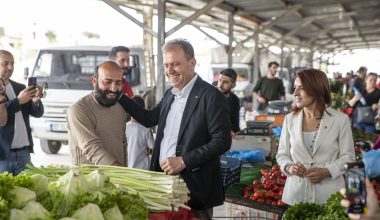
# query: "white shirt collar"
(185, 90)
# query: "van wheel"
(50, 146)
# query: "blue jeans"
(16, 162)
(367, 128)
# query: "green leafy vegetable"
(17, 214)
(35, 211)
(21, 197)
(113, 214)
(89, 212)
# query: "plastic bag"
(371, 161)
(254, 154)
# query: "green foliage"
(8, 183)
(328, 211)
(303, 210)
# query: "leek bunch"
(159, 191)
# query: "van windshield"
(67, 69)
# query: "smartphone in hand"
(355, 187)
(32, 81)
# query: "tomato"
(275, 167)
(280, 181)
(246, 191)
(261, 200)
(268, 201)
(256, 196)
(268, 194)
(256, 183)
(277, 196)
(283, 176)
(274, 202)
(280, 202)
(280, 192)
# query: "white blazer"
(334, 145)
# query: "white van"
(66, 72)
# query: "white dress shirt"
(173, 120)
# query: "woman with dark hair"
(369, 97)
(316, 142)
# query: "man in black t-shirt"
(270, 87)
(226, 82)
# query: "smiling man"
(97, 122)
(193, 129)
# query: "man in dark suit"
(16, 141)
(193, 129)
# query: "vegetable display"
(159, 191)
(81, 197)
(330, 210)
(269, 188)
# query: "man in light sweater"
(97, 122)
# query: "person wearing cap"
(226, 82)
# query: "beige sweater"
(97, 133)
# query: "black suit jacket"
(13, 106)
(203, 136)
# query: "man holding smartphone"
(16, 141)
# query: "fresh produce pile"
(330, 210)
(358, 134)
(159, 191)
(269, 189)
(74, 195)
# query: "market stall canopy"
(323, 25)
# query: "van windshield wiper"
(66, 84)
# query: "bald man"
(97, 122)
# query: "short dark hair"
(115, 50)
(363, 69)
(372, 74)
(139, 100)
(183, 43)
(230, 73)
(273, 63)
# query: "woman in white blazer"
(316, 141)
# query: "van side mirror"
(26, 72)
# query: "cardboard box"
(236, 211)
(277, 120)
(267, 143)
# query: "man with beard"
(270, 87)
(226, 82)
(96, 123)
(120, 55)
